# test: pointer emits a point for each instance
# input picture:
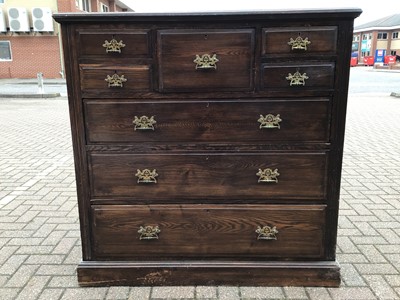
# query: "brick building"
(30, 40)
(380, 37)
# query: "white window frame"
(104, 8)
(395, 33)
(382, 33)
(9, 47)
(85, 5)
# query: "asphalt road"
(368, 80)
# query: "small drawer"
(241, 231)
(200, 176)
(117, 43)
(298, 76)
(205, 60)
(100, 79)
(212, 121)
(299, 40)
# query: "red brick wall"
(67, 6)
(31, 55)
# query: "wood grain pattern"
(208, 176)
(207, 121)
(320, 76)
(93, 78)
(323, 40)
(136, 42)
(208, 231)
(209, 272)
(178, 48)
(207, 146)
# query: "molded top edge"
(207, 15)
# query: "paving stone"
(35, 250)
(140, 293)
(393, 280)
(381, 269)
(380, 287)
(8, 293)
(12, 264)
(206, 292)
(228, 293)
(45, 259)
(65, 246)
(44, 230)
(172, 292)
(6, 252)
(372, 254)
(261, 292)
(346, 245)
(63, 281)
(3, 280)
(350, 276)
(318, 293)
(51, 294)
(33, 288)
(351, 258)
(85, 293)
(56, 270)
(297, 293)
(117, 292)
(390, 235)
(353, 293)
(54, 238)
(22, 276)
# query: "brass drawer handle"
(113, 46)
(267, 175)
(146, 176)
(299, 43)
(115, 80)
(266, 233)
(206, 61)
(149, 232)
(270, 121)
(297, 78)
(144, 123)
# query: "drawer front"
(298, 76)
(207, 121)
(115, 79)
(114, 43)
(299, 40)
(205, 60)
(208, 177)
(208, 231)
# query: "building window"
(5, 51)
(382, 35)
(365, 53)
(395, 35)
(104, 8)
(367, 36)
(2, 1)
(86, 5)
(356, 38)
(393, 52)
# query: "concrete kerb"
(49, 95)
(28, 88)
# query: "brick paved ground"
(39, 231)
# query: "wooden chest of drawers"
(208, 146)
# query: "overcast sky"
(372, 10)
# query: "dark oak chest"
(208, 147)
